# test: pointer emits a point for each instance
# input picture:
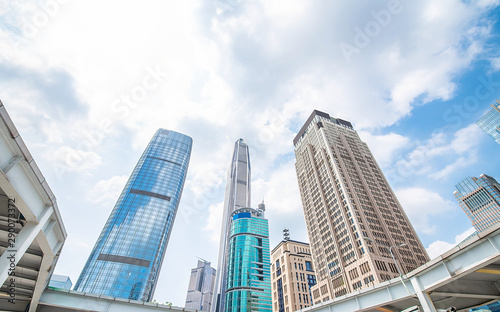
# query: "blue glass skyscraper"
(127, 257)
(490, 122)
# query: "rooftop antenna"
(262, 206)
(286, 234)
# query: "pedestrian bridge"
(465, 277)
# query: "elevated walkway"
(465, 277)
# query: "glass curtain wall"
(128, 254)
(248, 277)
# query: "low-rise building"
(292, 276)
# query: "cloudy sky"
(89, 82)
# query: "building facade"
(490, 122)
(243, 275)
(237, 196)
(201, 287)
(346, 200)
(248, 286)
(292, 276)
(480, 200)
(128, 254)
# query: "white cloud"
(495, 62)
(438, 157)
(280, 191)
(439, 247)
(106, 192)
(69, 159)
(422, 206)
(221, 70)
(214, 222)
(384, 147)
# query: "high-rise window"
(490, 122)
(345, 199)
(480, 200)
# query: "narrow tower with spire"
(243, 280)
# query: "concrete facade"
(346, 199)
(201, 287)
(292, 276)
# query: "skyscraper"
(243, 278)
(490, 122)
(292, 276)
(201, 287)
(480, 200)
(248, 286)
(346, 199)
(237, 196)
(127, 256)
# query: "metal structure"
(286, 234)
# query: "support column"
(23, 240)
(424, 298)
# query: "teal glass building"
(129, 252)
(248, 274)
(490, 122)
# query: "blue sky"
(88, 84)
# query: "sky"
(87, 83)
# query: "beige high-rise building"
(346, 199)
(292, 276)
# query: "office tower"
(346, 198)
(237, 196)
(243, 278)
(292, 276)
(248, 286)
(127, 256)
(490, 122)
(480, 200)
(201, 287)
